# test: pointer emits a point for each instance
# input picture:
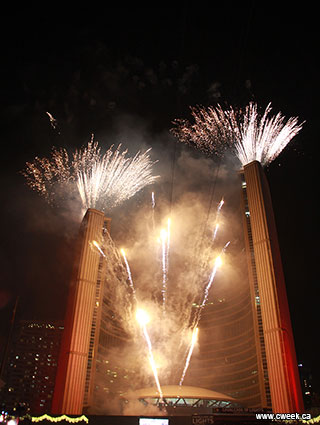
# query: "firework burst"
(101, 181)
(248, 134)
(175, 318)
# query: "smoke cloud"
(188, 192)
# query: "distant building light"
(300, 365)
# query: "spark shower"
(101, 181)
(104, 181)
(163, 321)
(248, 134)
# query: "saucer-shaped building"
(182, 399)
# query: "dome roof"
(177, 391)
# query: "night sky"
(130, 71)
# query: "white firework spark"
(53, 121)
(129, 273)
(248, 134)
(190, 351)
(102, 181)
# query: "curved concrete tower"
(72, 367)
(279, 369)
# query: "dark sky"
(94, 68)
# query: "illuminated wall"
(227, 357)
(73, 361)
(268, 292)
(106, 377)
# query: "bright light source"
(218, 261)
(142, 317)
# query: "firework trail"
(153, 201)
(53, 121)
(217, 223)
(163, 237)
(129, 274)
(143, 319)
(95, 243)
(153, 204)
(165, 243)
(101, 181)
(249, 135)
(216, 265)
(190, 351)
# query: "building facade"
(32, 365)
(277, 363)
(227, 360)
(246, 342)
(85, 379)
(73, 360)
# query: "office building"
(32, 365)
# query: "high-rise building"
(32, 364)
(277, 363)
(246, 341)
(73, 360)
(84, 375)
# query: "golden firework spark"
(250, 135)
(101, 181)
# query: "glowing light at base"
(101, 181)
(249, 135)
(193, 342)
(143, 318)
(66, 418)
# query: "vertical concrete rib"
(72, 367)
(279, 344)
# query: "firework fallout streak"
(165, 243)
(217, 264)
(153, 201)
(143, 319)
(95, 243)
(129, 274)
(153, 204)
(163, 238)
(190, 351)
(217, 222)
